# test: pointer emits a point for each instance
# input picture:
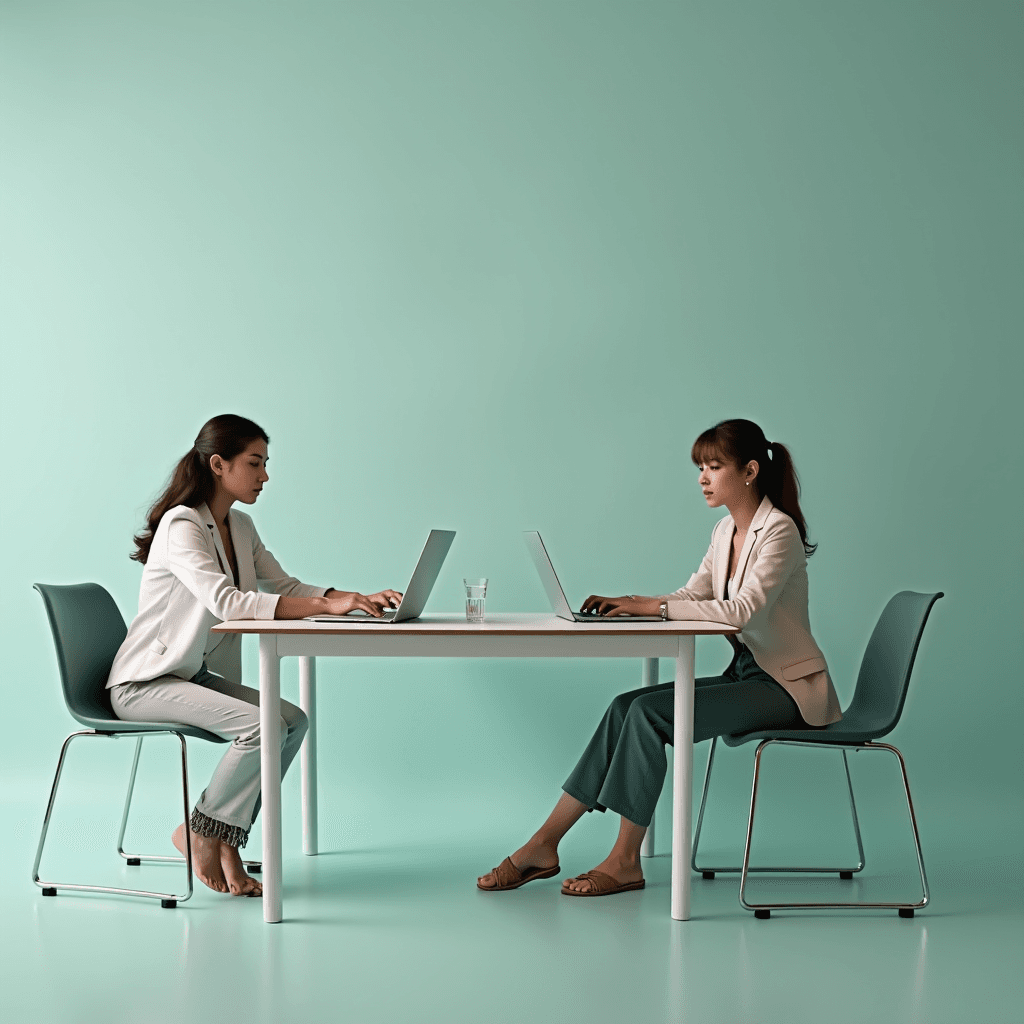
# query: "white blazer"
(769, 604)
(187, 588)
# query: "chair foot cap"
(168, 904)
(906, 911)
(707, 875)
(49, 892)
(134, 862)
(848, 875)
(762, 915)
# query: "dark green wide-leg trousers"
(624, 765)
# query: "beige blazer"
(769, 604)
(187, 588)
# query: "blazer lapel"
(756, 525)
(720, 562)
(241, 538)
(216, 543)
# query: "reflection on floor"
(400, 934)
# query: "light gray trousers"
(231, 711)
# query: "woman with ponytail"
(754, 576)
(204, 563)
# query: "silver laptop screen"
(546, 571)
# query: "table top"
(496, 624)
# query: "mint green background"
(492, 266)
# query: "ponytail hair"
(192, 481)
(740, 442)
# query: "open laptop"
(556, 595)
(424, 576)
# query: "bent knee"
(645, 706)
(289, 729)
(294, 724)
(297, 724)
(621, 704)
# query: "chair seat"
(842, 731)
(117, 725)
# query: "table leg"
(682, 775)
(648, 677)
(307, 701)
(270, 774)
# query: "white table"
(450, 636)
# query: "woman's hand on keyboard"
(628, 604)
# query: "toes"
(245, 886)
(577, 884)
(216, 884)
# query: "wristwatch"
(663, 608)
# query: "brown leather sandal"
(508, 876)
(603, 885)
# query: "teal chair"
(874, 712)
(87, 631)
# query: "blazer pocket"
(158, 647)
(807, 667)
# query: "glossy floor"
(400, 933)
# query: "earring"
(748, 483)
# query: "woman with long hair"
(753, 576)
(204, 563)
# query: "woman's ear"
(217, 465)
(752, 470)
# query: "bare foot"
(621, 870)
(535, 854)
(205, 858)
(239, 881)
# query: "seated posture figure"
(753, 576)
(203, 564)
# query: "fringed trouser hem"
(204, 825)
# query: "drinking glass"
(476, 595)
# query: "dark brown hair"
(740, 442)
(192, 481)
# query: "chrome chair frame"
(168, 900)
(136, 859)
(874, 711)
(763, 910)
(709, 872)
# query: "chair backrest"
(87, 631)
(887, 663)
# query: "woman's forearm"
(336, 602)
(300, 607)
